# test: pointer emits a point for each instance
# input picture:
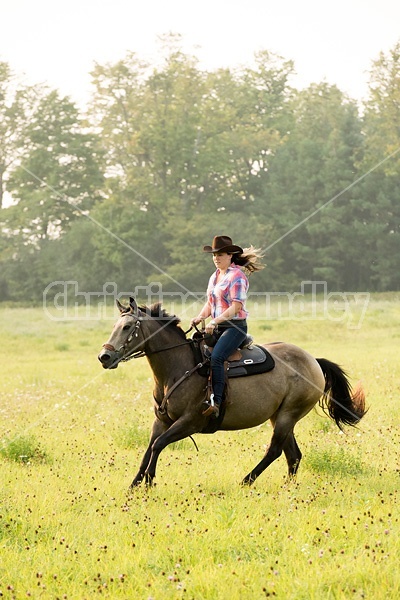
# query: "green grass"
(22, 449)
(72, 436)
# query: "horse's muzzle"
(109, 358)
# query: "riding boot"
(212, 407)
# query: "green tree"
(58, 176)
(381, 188)
(56, 180)
(17, 103)
(303, 188)
(188, 149)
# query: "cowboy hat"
(223, 243)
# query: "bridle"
(124, 356)
(132, 332)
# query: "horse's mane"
(157, 312)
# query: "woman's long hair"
(250, 259)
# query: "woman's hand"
(196, 321)
(210, 327)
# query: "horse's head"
(126, 338)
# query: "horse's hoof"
(137, 481)
(149, 481)
(247, 481)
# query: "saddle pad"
(254, 360)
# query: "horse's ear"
(133, 305)
(120, 306)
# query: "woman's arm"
(203, 314)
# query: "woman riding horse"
(226, 296)
(283, 395)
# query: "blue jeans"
(229, 341)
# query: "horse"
(283, 395)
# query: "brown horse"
(284, 395)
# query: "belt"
(233, 323)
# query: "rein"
(140, 353)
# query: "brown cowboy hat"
(223, 243)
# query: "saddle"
(248, 359)
(251, 360)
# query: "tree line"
(165, 157)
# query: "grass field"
(72, 436)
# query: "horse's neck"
(170, 364)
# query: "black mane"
(157, 312)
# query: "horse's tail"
(344, 406)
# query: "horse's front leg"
(179, 430)
(158, 429)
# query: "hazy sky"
(57, 42)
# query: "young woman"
(226, 298)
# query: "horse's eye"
(126, 327)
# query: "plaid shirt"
(231, 288)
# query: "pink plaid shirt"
(231, 288)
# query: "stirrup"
(212, 408)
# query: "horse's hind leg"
(292, 453)
(283, 429)
(291, 450)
